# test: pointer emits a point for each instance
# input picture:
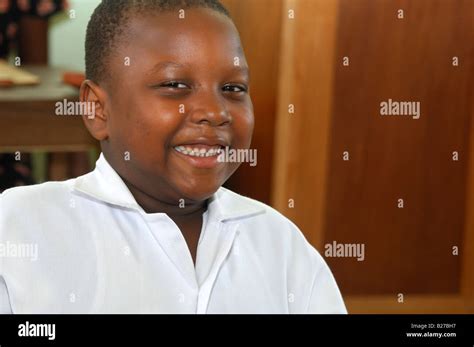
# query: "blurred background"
(327, 159)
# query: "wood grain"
(259, 24)
(408, 250)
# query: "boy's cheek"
(246, 116)
(243, 128)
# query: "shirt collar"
(104, 184)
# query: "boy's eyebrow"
(170, 64)
(165, 64)
(242, 69)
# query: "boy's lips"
(199, 150)
(200, 156)
(201, 153)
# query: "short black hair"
(109, 20)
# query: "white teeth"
(196, 152)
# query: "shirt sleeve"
(325, 296)
(311, 284)
(5, 307)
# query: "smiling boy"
(151, 230)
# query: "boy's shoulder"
(37, 190)
(254, 208)
(234, 201)
(48, 192)
(35, 196)
(50, 197)
(269, 228)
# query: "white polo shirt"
(86, 246)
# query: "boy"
(150, 230)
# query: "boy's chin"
(199, 193)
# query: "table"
(28, 122)
(28, 119)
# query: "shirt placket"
(173, 244)
(212, 253)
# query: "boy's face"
(175, 86)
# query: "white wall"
(67, 35)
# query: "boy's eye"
(174, 85)
(235, 88)
(229, 88)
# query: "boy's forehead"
(162, 40)
(199, 27)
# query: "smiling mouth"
(200, 150)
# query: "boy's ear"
(96, 117)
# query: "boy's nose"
(210, 110)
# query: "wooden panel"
(301, 140)
(408, 250)
(259, 25)
(28, 119)
(467, 255)
(426, 304)
(34, 124)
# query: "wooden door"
(402, 187)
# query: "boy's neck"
(174, 211)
